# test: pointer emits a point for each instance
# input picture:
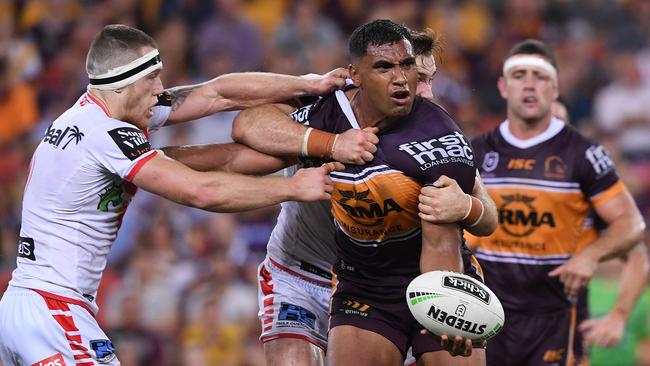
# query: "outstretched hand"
(314, 184)
(603, 332)
(329, 82)
(575, 273)
(356, 146)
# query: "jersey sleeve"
(160, 115)
(597, 174)
(304, 114)
(121, 149)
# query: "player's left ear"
(354, 75)
(556, 90)
(501, 84)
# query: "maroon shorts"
(536, 340)
(377, 302)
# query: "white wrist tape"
(305, 139)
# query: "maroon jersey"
(544, 189)
(375, 205)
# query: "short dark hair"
(116, 45)
(376, 33)
(533, 47)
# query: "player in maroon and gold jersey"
(545, 178)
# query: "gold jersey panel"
(544, 195)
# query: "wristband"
(469, 210)
(305, 139)
(319, 144)
(475, 213)
(336, 138)
(480, 217)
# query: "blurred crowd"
(180, 288)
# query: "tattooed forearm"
(178, 95)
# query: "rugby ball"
(450, 303)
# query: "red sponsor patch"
(56, 360)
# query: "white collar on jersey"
(347, 108)
(553, 129)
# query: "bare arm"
(226, 192)
(440, 248)
(445, 202)
(609, 330)
(243, 90)
(233, 157)
(269, 129)
(625, 227)
(441, 251)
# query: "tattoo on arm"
(179, 94)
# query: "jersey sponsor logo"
(521, 164)
(554, 167)
(56, 360)
(55, 136)
(467, 287)
(446, 149)
(104, 350)
(518, 217)
(599, 159)
(301, 115)
(26, 248)
(290, 314)
(490, 161)
(371, 215)
(455, 321)
(131, 141)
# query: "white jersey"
(304, 235)
(76, 194)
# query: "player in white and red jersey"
(82, 177)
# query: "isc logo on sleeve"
(26, 248)
(56, 360)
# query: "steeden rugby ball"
(455, 304)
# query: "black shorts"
(377, 302)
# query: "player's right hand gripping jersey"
(543, 189)
(75, 197)
(375, 205)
